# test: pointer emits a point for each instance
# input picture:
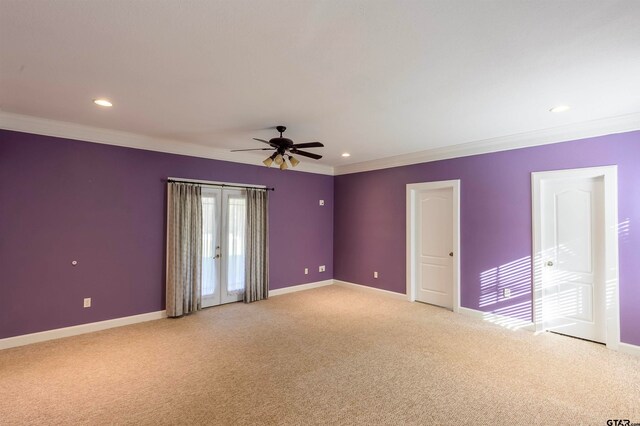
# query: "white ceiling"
(374, 78)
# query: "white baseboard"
(300, 287)
(26, 339)
(628, 348)
(398, 296)
(501, 320)
(518, 324)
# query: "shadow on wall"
(563, 300)
(624, 230)
(515, 277)
(564, 296)
(561, 297)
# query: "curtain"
(184, 248)
(257, 246)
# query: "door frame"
(412, 191)
(609, 174)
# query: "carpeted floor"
(325, 356)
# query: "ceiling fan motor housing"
(281, 141)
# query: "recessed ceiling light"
(102, 102)
(560, 108)
(346, 154)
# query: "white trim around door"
(609, 175)
(413, 189)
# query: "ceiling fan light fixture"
(283, 148)
(269, 160)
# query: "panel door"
(434, 247)
(572, 258)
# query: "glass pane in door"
(235, 250)
(210, 272)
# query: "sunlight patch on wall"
(624, 230)
(514, 275)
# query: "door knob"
(549, 263)
(451, 253)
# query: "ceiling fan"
(284, 147)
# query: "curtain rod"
(221, 185)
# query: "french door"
(223, 239)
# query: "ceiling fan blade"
(308, 145)
(262, 140)
(306, 154)
(252, 149)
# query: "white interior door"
(572, 257)
(434, 247)
(223, 251)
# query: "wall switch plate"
(375, 274)
(322, 202)
(306, 271)
(506, 292)
(87, 302)
(321, 268)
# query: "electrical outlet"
(375, 274)
(306, 271)
(506, 292)
(87, 302)
(322, 202)
(321, 268)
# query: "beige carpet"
(325, 356)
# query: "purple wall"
(369, 229)
(64, 200)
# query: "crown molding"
(61, 129)
(587, 129)
(47, 127)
